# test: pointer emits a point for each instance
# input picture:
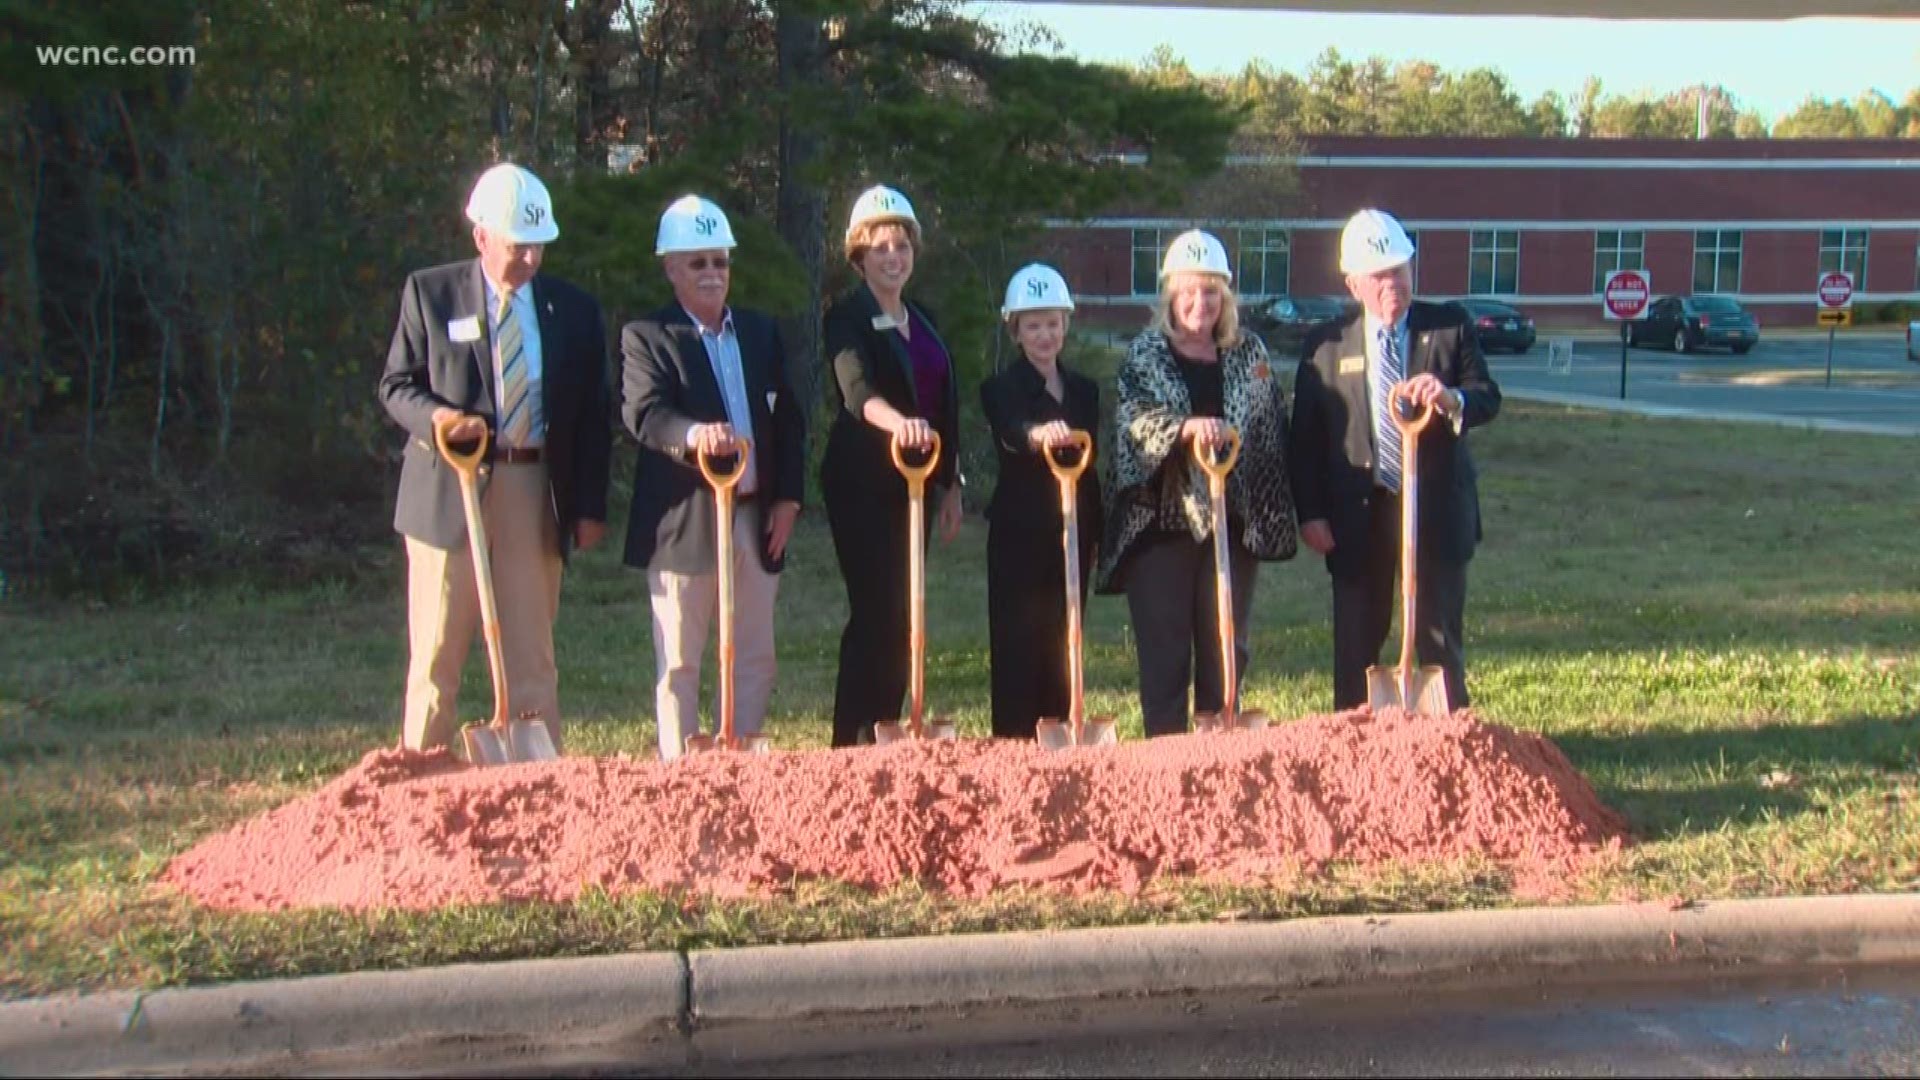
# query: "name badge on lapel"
(464, 330)
(772, 396)
(884, 321)
(1353, 365)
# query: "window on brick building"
(1147, 249)
(1716, 261)
(1264, 255)
(1493, 262)
(1845, 249)
(1617, 249)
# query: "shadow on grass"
(1740, 776)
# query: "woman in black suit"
(1034, 404)
(895, 381)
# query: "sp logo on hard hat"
(1037, 288)
(1379, 244)
(534, 214)
(705, 225)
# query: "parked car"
(1284, 322)
(1499, 326)
(1686, 323)
(1913, 341)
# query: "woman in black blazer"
(895, 381)
(1033, 404)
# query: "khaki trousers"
(443, 610)
(685, 608)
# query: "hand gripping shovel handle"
(1411, 419)
(916, 477)
(1217, 469)
(466, 463)
(1069, 477)
(723, 484)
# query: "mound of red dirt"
(421, 830)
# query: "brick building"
(1538, 222)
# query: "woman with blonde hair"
(1187, 379)
(895, 381)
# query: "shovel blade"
(1427, 696)
(942, 729)
(888, 732)
(484, 746)
(1253, 720)
(1204, 722)
(756, 744)
(1099, 731)
(1053, 734)
(529, 740)
(702, 744)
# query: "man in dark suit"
(1344, 458)
(694, 373)
(504, 349)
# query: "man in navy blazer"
(1343, 458)
(693, 374)
(522, 356)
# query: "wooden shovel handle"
(467, 463)
(916, 472)
(1076, 440)
(1218, 468)
(1408, 425)
(725, 481)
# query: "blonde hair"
(1226, 332)
(864, 235)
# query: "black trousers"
(1176, 627)
(1027, 625)
(1364, 605)
(870, 543)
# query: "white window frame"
(1628, 251)
(1718, 248)
(1155, 249)
(1847, 251)
(1488, 242)
(1257, 246)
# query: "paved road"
(1864, 1021)
(1873, 383)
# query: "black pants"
(1364, 605)
(870, 543)
(1027, 624)
(1176, 627)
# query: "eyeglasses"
(701, 262)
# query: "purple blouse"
(929, 369)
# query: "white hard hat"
(513, 202)
(1036, 287)
(880, 203)
(1199, 251)
(1373, 241)
(693, 224)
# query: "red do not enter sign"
(1836, 289)
(1626, 293)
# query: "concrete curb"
(282, 1021)
(1674, 412)
(602, 1000)
(791, 982)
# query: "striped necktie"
(515, 414)
(1386, 432)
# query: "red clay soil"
(422, 830)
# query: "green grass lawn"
(1716, 622)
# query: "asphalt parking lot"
(1873, 386)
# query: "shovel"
(723, 484)
(1229, 717)
(886, 732)
(1076, 730)
(502, 740)
(1420, 690)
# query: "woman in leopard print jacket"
(1188, 376)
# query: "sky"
(1770, 66)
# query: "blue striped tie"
(1386, 432)
(516, 406)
